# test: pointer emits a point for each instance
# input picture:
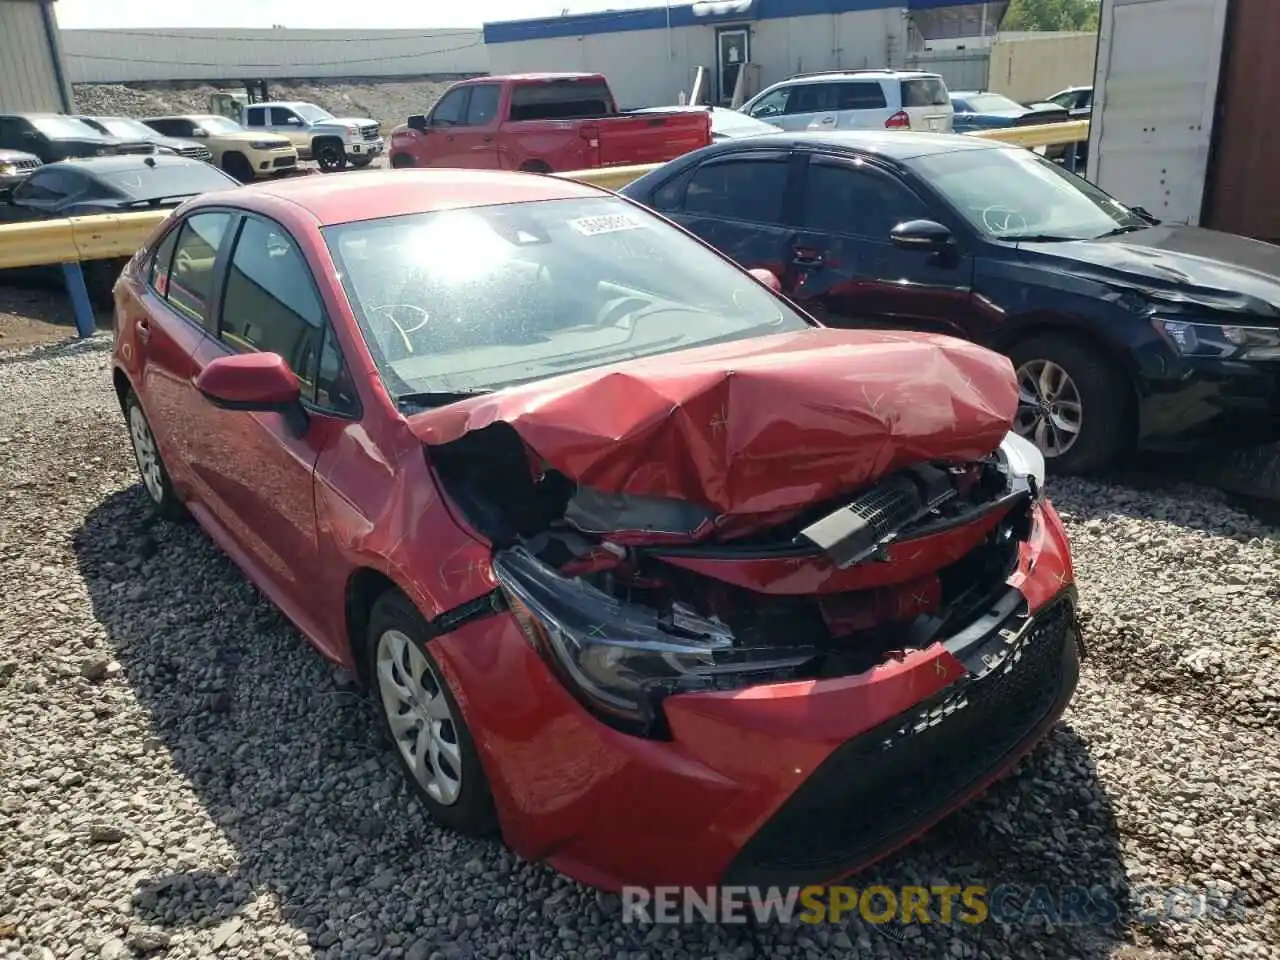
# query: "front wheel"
(1073, 403)
(151, 468)
(330, 156)
(422, 719)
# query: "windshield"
(163, 181)
(215, 125)
(991, 103)
(477, 299)
(124, 127)
(57, 127)
(1010, 194)
(311, 113)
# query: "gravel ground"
(181, 776)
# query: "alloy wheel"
(144, 449)
(1050, 413)
(329, 158)
(419, 717)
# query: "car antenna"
(150, 161)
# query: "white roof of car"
(853, 75)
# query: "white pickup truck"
(333, 142)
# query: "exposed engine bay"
(832, 590)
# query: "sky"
(334, 14)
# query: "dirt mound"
(389, 102)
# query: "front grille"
(873, 792)
(196, 153)
(285, 162)
(369, 132)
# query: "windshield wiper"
(1130, 228)
(429, 400)
(155, 201)
(1037, 238)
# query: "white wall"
(115, 56)
(652, 67)
(28, 71)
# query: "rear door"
(742, 203)
(927, 102)
(845, 270)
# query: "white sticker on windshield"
(612, 223)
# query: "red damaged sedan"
(645, 569)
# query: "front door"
(732, 54)
(846, 271)
(258, 467)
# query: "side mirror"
(921, 235)
(418, 122)
(253, 382)
(1145, 214)
(767, 277)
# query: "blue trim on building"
(656, 18)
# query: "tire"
(330, 155)
(401, 161)
(359, 163)
(461, 802)
(238, 166)
(535, 166)
(151, 469)
(1094, 384)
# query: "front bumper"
(761, 782)
(367, 148)
(1189, 404)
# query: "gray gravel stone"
(221, 788)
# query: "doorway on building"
(733, 50)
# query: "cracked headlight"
(1024, 459)
(1219, 341)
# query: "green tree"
(1051, 15)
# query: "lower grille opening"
(875, 791)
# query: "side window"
(844, 199)
(814, 98)
(271, 304)
(484, 104)
(452, 108)
(860, 96)
(670, 195)
(282, 116)
(158, 271)
(739, 190)
(255, 117)
(772, 105)
(191, 280)
(334, 387)
(1085, 98)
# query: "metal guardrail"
(73, 240)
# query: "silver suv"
(856, 99)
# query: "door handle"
(144, 330)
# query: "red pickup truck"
(542, 122)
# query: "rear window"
(925, 92)
(560, 100)
(164, 182)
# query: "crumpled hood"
(1184, 265)
(758, 426)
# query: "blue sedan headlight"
(1219, 341)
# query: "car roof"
(187, 116)
(892, 144)
(548, 75)
(377, 194)
(126, 162)
(855, 75)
